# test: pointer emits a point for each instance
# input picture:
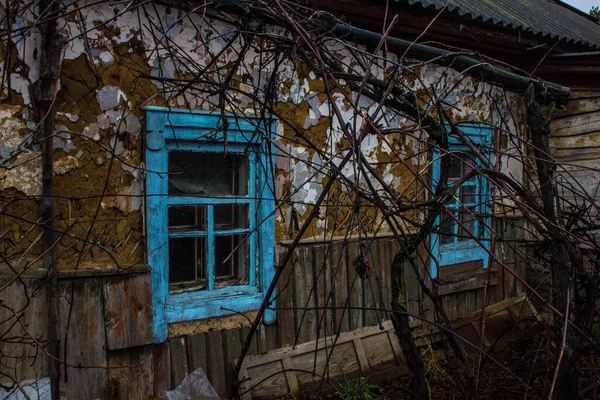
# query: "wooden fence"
(105, 321)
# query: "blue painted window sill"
(199, 305)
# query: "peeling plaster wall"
(107, 79)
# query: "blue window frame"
(451, 242)
(209, 208)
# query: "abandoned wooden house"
(177, 175)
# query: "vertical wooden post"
(45, 91)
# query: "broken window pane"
(231, 216)
(208, 174)
(191, 218)
(231, 260)
(467, 163)
(446, 228)
(468, 195)
(467, 231)
(187, 258)
(460, 165)
(455, 170)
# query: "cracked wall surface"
(126, 60)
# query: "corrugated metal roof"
(550, 19)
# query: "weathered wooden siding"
(575, 141)
(23, 320)
(575, 144)
(105, 321)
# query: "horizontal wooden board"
(575, 125)
(466, 281)
(109, 271)
(581, 106)
(582, 94)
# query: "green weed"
(358, 389)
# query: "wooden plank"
(105, 271)
(379, 274)
(231, 339)
(322, 343)
(216, 362)
(370, 292)
(575, 125)
(466, 281)
(461, 304)
(196, 352)
(520, 264)
(452, 270)
(179, 360)
(489, 310)
(571, 151)
(471, 301)
(258, 338)
(398, 355)
(412, 293)
(128, 311)
(587, 180)
(499, 289)
(353, 352)
(479, 299)
(290, 375)
(28, 299)
(354, 288)
(365, 369)
(162, 369)
(449, 304)
(476, 325)
(580, 106)
(317, 240)
(304, 296)
(583, 94)
(426, 306)
(379, 351)
(330, 312)
(320, 284)
(271, 337)
(266, 339)
(131, 375)
(498, 325)
(340, 280)
(83, 339)
(385, 260)
(285, 313)
(491, 295)
(505, 249)
(514, 315)
(245, 391)
(342, 363)
(271, 377)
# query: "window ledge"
(199, 305)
